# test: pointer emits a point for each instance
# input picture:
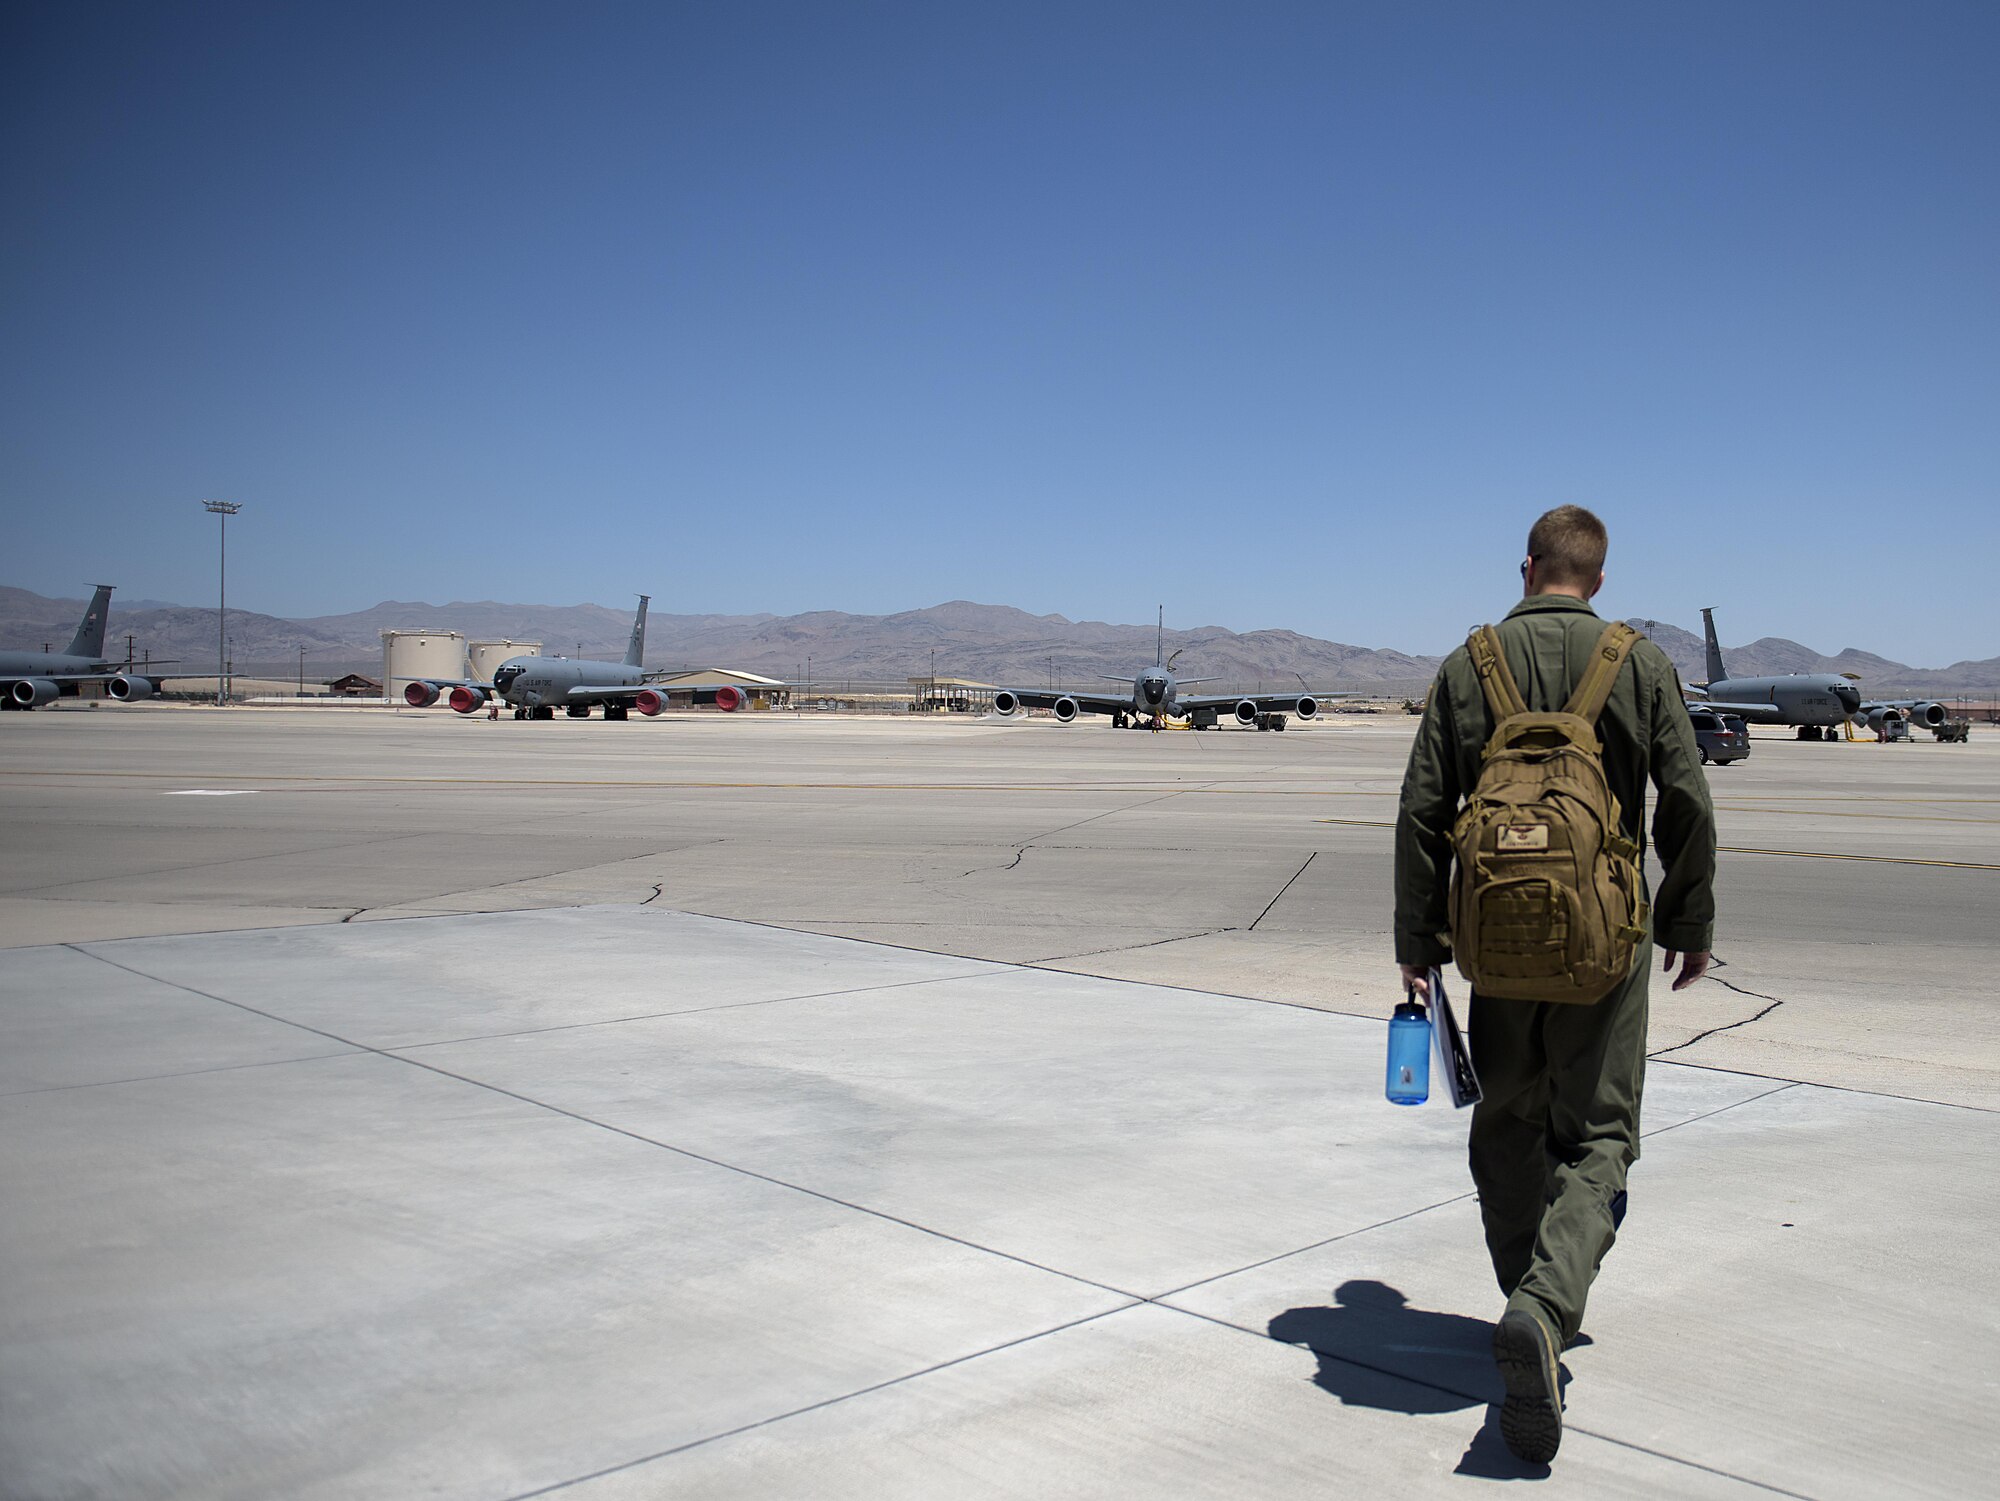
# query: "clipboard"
(1454, 1058)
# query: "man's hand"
(1417, 981)
(1693, 967)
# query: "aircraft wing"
(1089, 703)
(587, 693)
(1750, 713)
(1267, 703)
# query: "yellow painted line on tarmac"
(1722, 798)
(378, 781)
(1744, 849)
(1737, 849)
(1837, 813)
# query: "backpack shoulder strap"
(1606, 658)
(1496, 678)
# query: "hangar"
(702, 686)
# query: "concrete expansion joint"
(834, 1401)
(1281, 891)
(1128, 948)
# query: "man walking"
(1559, 1122)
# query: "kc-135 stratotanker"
(29, 679)
(535, 687)
(1817, 703)
(1156, 697)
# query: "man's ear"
(1596, 586)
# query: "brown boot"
(1531, 1417)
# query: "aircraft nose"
(1153, 690)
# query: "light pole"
(302, 672)
(222, 510)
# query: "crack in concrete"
(1726, 1026)
(1757, 995)
(994, 870)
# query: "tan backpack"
(1545, 902)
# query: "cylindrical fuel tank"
(410, 655)
(484, 656)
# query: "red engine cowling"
(729, 698)
(420, 695)
(649, 701)
(466, 700)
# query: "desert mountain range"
(989, 643)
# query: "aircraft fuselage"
(49, 664)
(1153, 693)
(531, 682)
(1801, 699)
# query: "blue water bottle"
(1410, 1055)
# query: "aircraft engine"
(466, 700)
(729, 698)
(1929, 714)
(1005, 702)
(1064, 709)
(649, 701)
(420, 695)
(128, 689)
(1306, 707)
(1878, 719)
(32, 693)
(1246, 711)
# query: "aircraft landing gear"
(578, 711)
(614, 711)
(524, 713)
(1118, 720)
(542, 711)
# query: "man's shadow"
(1376, 1351)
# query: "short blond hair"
(1568, 545)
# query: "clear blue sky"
(1282, 314)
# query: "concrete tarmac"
(759, 1106)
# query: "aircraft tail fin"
(1716, 672)
(89, 638)
(1160, 640)
(635, 653)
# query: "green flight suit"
(1559, 1124)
